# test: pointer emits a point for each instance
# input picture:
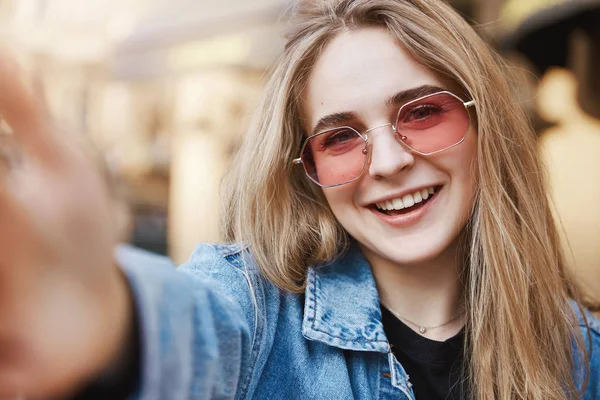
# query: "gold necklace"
(422, 329)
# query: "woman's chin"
(405, 253)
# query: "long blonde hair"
(520, 325)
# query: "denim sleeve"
(196, 325)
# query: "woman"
(395, 240)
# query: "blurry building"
(164, 89)
(560, 42)
(67, 45)
(206, 59)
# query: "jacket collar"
(341, 306)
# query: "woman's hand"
(64, 306)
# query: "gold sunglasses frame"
(365, 137)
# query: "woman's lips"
(407, 216)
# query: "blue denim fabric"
(215, 329)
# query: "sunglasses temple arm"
(469, 103)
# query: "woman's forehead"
(358, 71)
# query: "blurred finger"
(10, 156)
(5, 159)
(10, 159)
(24, 113)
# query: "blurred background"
(164, 89)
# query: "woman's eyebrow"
(339, 119)
(405, 96)
(333, 121)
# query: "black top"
(435, 368)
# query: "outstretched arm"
(66, 309)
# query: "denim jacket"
(215, 329)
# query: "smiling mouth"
(408, 203)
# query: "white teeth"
(417, 197)
(398, 204)
(406, 201)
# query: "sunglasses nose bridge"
(377, 127)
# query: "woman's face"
(354, 83)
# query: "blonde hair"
(520, 325)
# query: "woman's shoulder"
(226, 271)
(590, 328)
(231, 272)
(586, 320)
(193, 315)
(226, 263)
(593, 324)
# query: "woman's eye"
(421, 112)
(339, 138)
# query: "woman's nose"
(388, 155)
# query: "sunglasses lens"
(433, 123)
(427, 125)
(335, 157)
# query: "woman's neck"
(426, 294)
